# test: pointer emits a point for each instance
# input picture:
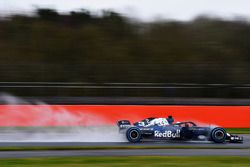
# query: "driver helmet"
(170, 119)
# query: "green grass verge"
(143, 161)
(238, 130)
(41, 148)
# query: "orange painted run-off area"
(91, 115)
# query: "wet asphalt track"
(227, 149)
(126, 152)
(207, 144)
(91, 137)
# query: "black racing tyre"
(133, 135)
(218, 135)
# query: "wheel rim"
(219, 134)
(134, 134)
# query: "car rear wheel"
(133, 135)
(218, 135)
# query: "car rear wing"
(123, 124)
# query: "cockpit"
(185, 124)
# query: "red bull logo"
(167, 134)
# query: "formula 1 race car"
(165, 129)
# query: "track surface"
(91, 137)
(245, 144)
(124, 152)
(236, 149)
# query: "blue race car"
(166, 129)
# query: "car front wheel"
(133, 135)
(218, 135)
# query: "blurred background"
(125, 50)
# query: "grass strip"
(141, 161)
(238, 130)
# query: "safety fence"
(190, 90)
